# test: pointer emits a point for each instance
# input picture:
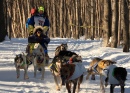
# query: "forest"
(94, 19)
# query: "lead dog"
(72, 73)
(39, 62)
(20, 62)
(39, 59)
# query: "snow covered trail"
(86, 48)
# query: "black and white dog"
(116, 76)
(20, 62)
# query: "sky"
(88, 49)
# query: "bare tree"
(92, 22)
(70, 18)
(76, 18)
(3, 30)
(119, 23)
(114, 24)
(61, 18)
(106, 24)
(125, 20)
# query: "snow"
(88, 49)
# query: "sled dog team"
(67, 69)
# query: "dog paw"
(60, 85)
(77, 90)
(57, 88)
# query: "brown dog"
(72, 73)
(96, 67)
(55, 67)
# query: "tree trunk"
(106, 24)
(114, 24)
(69, 19)
(3, 31)
(76, 18)
(54, 20)
(61, 18)
(129, 21)
(92, 15)
(125, 20)
(119, 23)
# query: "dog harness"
(108, 72)
(79, 70)
(94, 67)
(26, 62)
(23, 63)
(53, 67)
(112, 79)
